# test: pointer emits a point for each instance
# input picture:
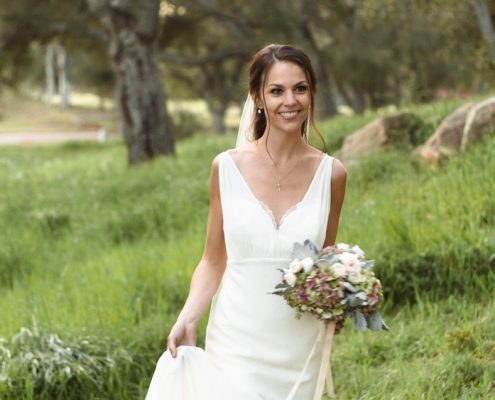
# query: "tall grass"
(95, 249)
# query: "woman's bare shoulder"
(242, 153)
(339, 171)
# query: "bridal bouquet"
(333, 283)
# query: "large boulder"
(465, 125)
(479, 122)
(397, 130)
(446, 139)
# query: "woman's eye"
(302, 88)
(276, 91)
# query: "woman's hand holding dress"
(182, 333)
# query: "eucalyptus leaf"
(354, 300)
(323, 263)
(362, 295)
(367, 264)
(374, 321)
(281, 285)
(332, 258)
(349, 287)
(359, 320)
(307, 249)
(280, 289)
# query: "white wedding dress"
(255, 348)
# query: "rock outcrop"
(479, 122)
(464, 126)
(446, 139)
(396, 130)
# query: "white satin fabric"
(254, 346)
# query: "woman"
(265, 195)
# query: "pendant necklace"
(286, 175)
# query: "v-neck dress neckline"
(268, 210)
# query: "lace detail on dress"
(272, 216)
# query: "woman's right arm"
(207, 275)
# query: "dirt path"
(28, 138)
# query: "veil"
(245, 132)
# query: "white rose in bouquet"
(295, 266)
(307, 264)
(339, 269)
(356, 249)
(355, 276)
(350, 260)
(290, 278)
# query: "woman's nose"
(290, 99)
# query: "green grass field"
(95, 261)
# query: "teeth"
(288, 114)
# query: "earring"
(259, 110)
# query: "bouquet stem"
(325, 368)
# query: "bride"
(272, 190)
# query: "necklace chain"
(288, 173)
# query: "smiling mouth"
(289, 114)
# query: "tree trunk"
(345, 94)
(219, 119)
(327, 100)
(486, 26)
(49, 74)
(133, 28)
(63, 82)
(217, 110)
(359, 98)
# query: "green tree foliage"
(367, 54)
(26, 26)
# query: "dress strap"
(306, 364)
(227, 183)
(322, 196)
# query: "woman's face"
(286, 96)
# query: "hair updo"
(262, 61)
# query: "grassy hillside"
(101, 255)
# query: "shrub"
(185, 124)
(459, 373)
(434, 274)
(42, 365)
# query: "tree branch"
(218, 56)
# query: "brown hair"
(261, 63)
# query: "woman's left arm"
(339, 175)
